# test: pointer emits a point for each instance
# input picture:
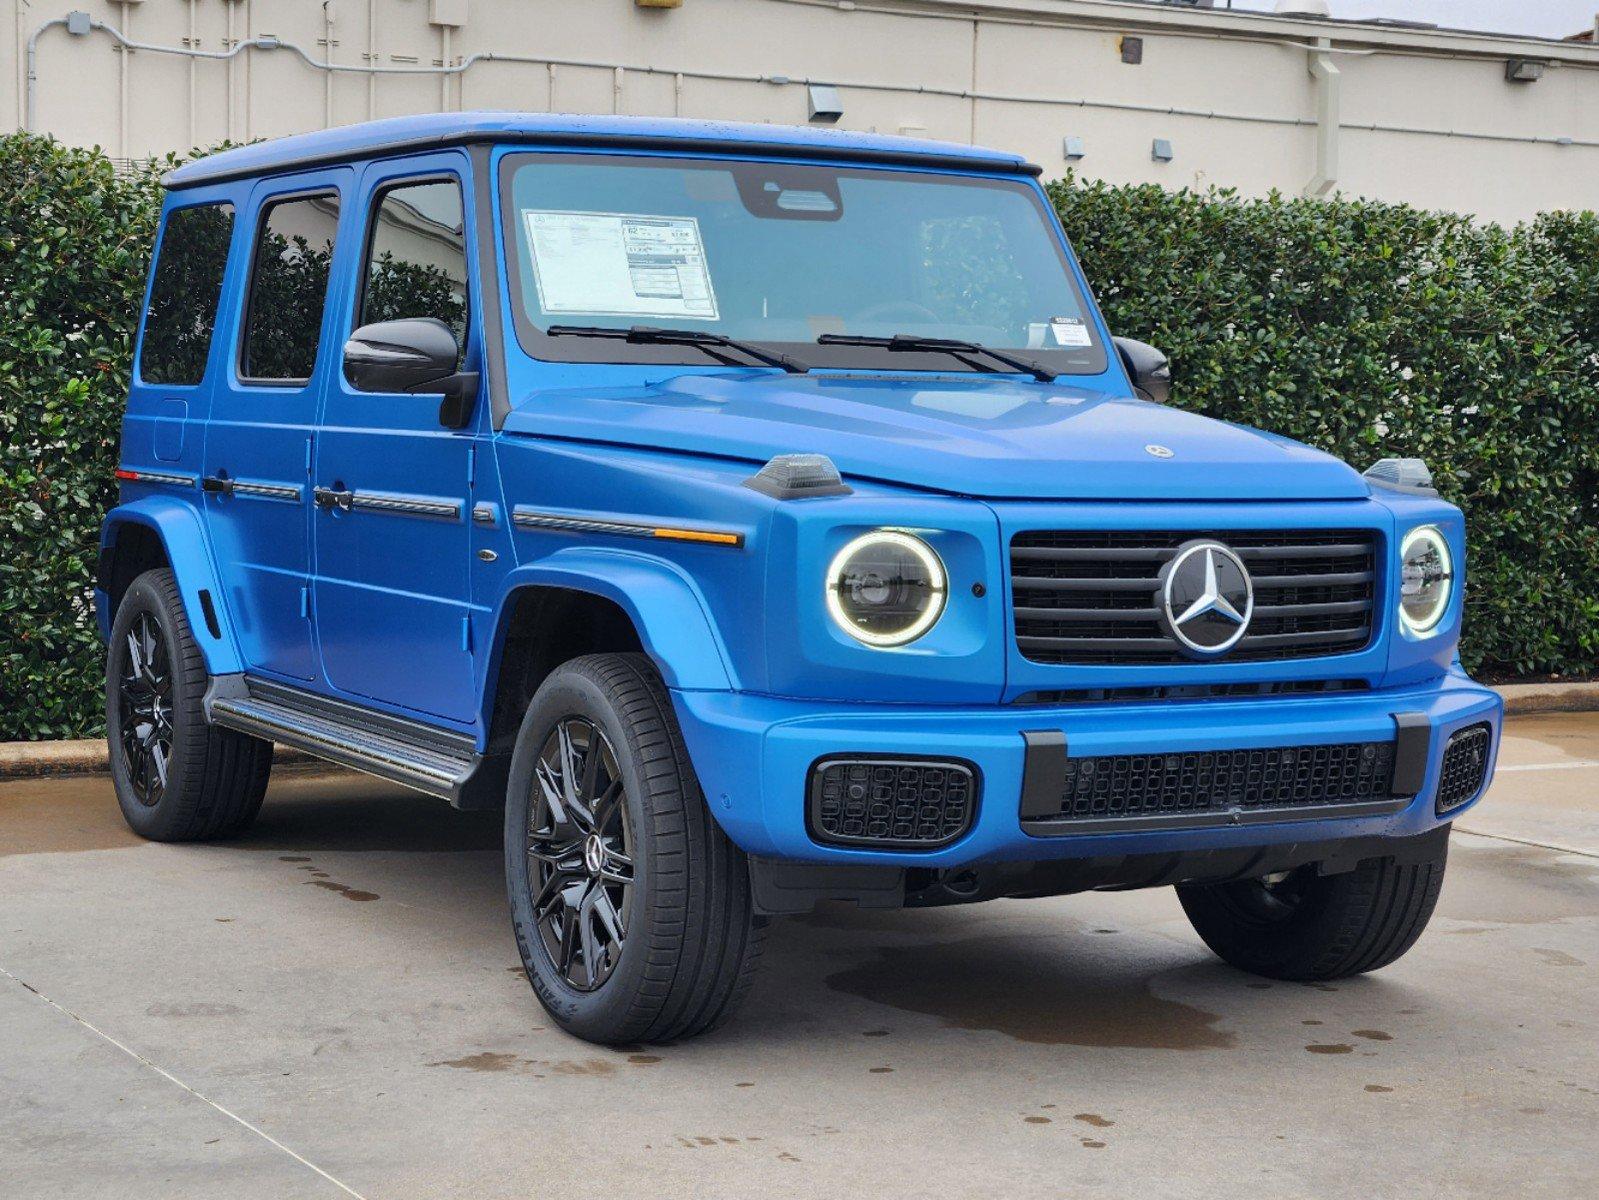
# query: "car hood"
(997, 439)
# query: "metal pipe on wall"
(1329, 89)
(970, 94)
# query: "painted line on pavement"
(165, 1074)
(1501, 837)
(1558, 766)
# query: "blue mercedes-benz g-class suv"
(761, 516)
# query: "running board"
(411, 753)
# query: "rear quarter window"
(182, 314)
(289, 288)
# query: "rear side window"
(416, 256)
(288, 288)
(183, 300)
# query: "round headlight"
(1427, 575)
(886, 588)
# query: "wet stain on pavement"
(643, 1060)
(349, 893)
(1094, 1119)
(1372, 1035)
(1037, 1120)
(488, 1061)
(55, 816)
(1330, 1048)
(1378, 1087)
(1091, 1144)
(1558, 958)
(491, 1062)
(1009, 987)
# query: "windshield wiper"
(912, 343)
(702, 339)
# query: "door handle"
(217, 485)
(330, 498)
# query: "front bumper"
(753, 756)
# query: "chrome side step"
(406, 752)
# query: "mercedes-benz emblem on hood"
(1158, 451)
(1207, 598)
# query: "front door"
(263, 413)
(393, 524)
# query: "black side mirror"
(414, 354)
(1148, 368)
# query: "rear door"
(263, 413)
(393, 552)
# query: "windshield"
(780, 254)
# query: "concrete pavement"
(333, 1006)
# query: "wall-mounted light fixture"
(1132, 49)
(826, 106)
(1072, 147)
(1524, 70)
(1161, 151)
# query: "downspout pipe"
(1329, 94)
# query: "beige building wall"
(1423, 116)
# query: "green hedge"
(1366, 329)
(75, 239)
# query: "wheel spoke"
(568, 942)
(550, 786)
(159, 757)
(609, 917)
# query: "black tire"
(177, 778)
(1307, 926)
(690, 940)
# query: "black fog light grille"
(1465, 766)
(1214, 787)
(891, 802)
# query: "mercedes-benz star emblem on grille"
(1207, 598)
(1159, 451)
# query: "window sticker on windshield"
(1070, 331)
(620, 265)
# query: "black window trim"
(222, 290)
(536, 344)
(262, 208)
(382, 188)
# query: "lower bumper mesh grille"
(1465, 766)
(891, 802)
(1219, 786)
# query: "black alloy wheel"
(580, 854)
(144, 696)
(178, 778)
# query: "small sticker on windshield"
(1070, 331)
(619, 265)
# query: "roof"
(433, 130)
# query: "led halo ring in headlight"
(1426, 578)
(886, 588)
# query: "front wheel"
(1303, 926)
(631, 908)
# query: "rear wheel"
(1302, 925)
(631, 908)
(177, 778)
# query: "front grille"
(891, 802)
(1094, 597)
(1131, 786)
(1465, 766)
(1194, 691)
